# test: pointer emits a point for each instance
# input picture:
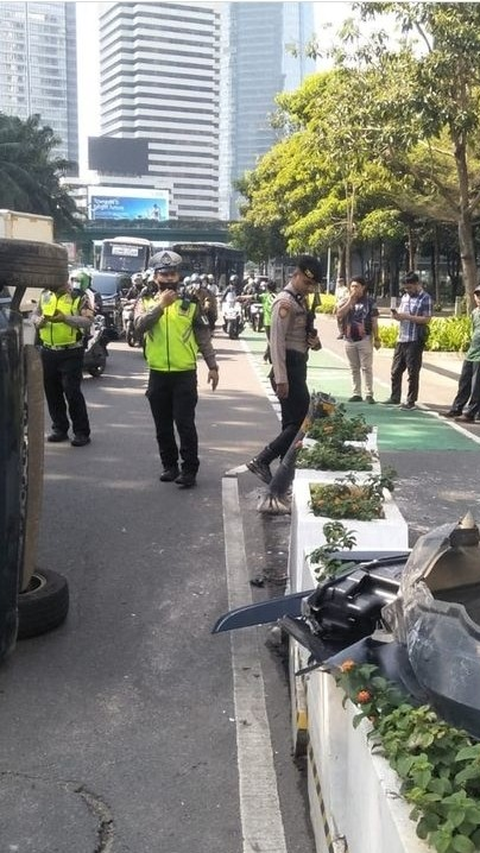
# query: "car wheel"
(25, 263)
(43, 605)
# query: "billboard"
(127, 203)
(112, 156)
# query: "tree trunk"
(436, 264)
(412, 249)
(465, 226)
(350, 199)
(341, 263)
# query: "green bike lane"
(436, 460)
(399, 430)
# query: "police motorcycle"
(232, 314)
(95, 355)
(128, 309)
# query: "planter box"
(306, 534)
(316, 475)
(352, 793)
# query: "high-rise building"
(159, 80)
(38, 67)
(256, 64)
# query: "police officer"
(175, 329)
(291, 336)
(62, 318)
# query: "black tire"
(32, 462)
(232, 330)
(99, 356)
(25, 263)
(131, 341)
(43, 606)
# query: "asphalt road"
(121, 729)
(131, 729)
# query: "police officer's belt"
(63, 347)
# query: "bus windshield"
(124, 256)
(211, 258)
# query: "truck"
(32, 600)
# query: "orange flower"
(364, 697)
(347, 666)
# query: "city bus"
(125, 254)
(215, 259)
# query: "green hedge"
(328, 304)
(447, 334)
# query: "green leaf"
(357, 720)
(423, 829)
(468, 753)
(462, 844)
(456, 816)
(441, 840)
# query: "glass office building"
(159, 80)
(256, 64)
(38, 67)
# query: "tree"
(425, 87)
(30, 171)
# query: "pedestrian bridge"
(168, 231)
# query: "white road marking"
(262, 825)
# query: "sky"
(88, 61)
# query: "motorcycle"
(233, 322)
(256, 316)
(128, 308)
(95, 355)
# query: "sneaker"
(186, 480)
(355, 399)
(80, 440)
(452, 413)
(169, 475)
(260, 469)
(466, 419)
(391, 402)
(56, 436)
(369, 399)
(408, 406)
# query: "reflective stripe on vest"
(171, 345)
(58, 334)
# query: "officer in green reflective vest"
(61, 319)
(175, 330)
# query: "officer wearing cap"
(175, 329)
(292, 334)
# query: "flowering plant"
(324, 562)
(339, 428)
(347, 498)
(332, 457)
